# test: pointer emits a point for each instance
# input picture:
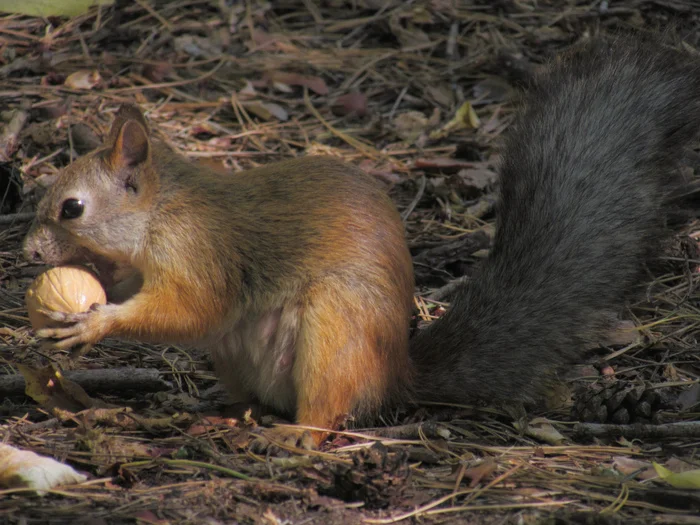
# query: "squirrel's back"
(585, 171)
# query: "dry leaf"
(45, 8)
(690, 479)
(108, 449)
(49, 388)
(315, 84)
(479, 472)
(351, 103)
(628, 466)
(83, 79)
(157, 72)
(266, 110)
(442, 94)
(475, 181)
(410, 125)
(465, 117)
(542, 430)
(26, 469)
(210, 423)
(197, 46)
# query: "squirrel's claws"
(275, 440)
(62, 317)
(84, 328)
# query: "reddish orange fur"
(221, 254)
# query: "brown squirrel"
(298, 278)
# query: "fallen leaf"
(197, 46)
(350, 103)
(26, 469)
(608, 371)
(157, 72)
(248, 91)
(44, 8)
(211, 423)
(108, 449)
(315, 84)
(542, 430)
(480, 471)
(267, 110)
(670, 373)
(465, 117)
(51, 389)
(690, 479)
(410, 125)
(262, 39)
(83, 79)
(628, 466)
(442, 94)
(475, 181)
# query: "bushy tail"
(584, 175)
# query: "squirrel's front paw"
(274, 440)
(85, 328)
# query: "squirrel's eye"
(72, 209)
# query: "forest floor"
(419, 94)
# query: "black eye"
(72, 209)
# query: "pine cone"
(619, 402)
(376, 477)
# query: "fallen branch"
(17, 217)
(685, 429)
(443, 292)
(428, 429)
(103, 380)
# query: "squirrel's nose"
(30, 253)
(32, 256)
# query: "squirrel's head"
(99, 206)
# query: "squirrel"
(297, 276)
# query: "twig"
(429, 429)
(9, 139)
(416, 199)
(17, 217)
(685, 429)
(107, 379)
(445, 291)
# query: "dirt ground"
(419, 94)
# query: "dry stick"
(355, 143)
(685, 429)
(417, 198)
(429, 429)
(9, 138)
(176, 83)
(107, 379)
(445, 291)
(17, 217)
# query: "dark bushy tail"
(584, 176)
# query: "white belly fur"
(256, 356)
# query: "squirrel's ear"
(125, 113)
(131, 146)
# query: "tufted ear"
(131, 145)
(125, 113)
